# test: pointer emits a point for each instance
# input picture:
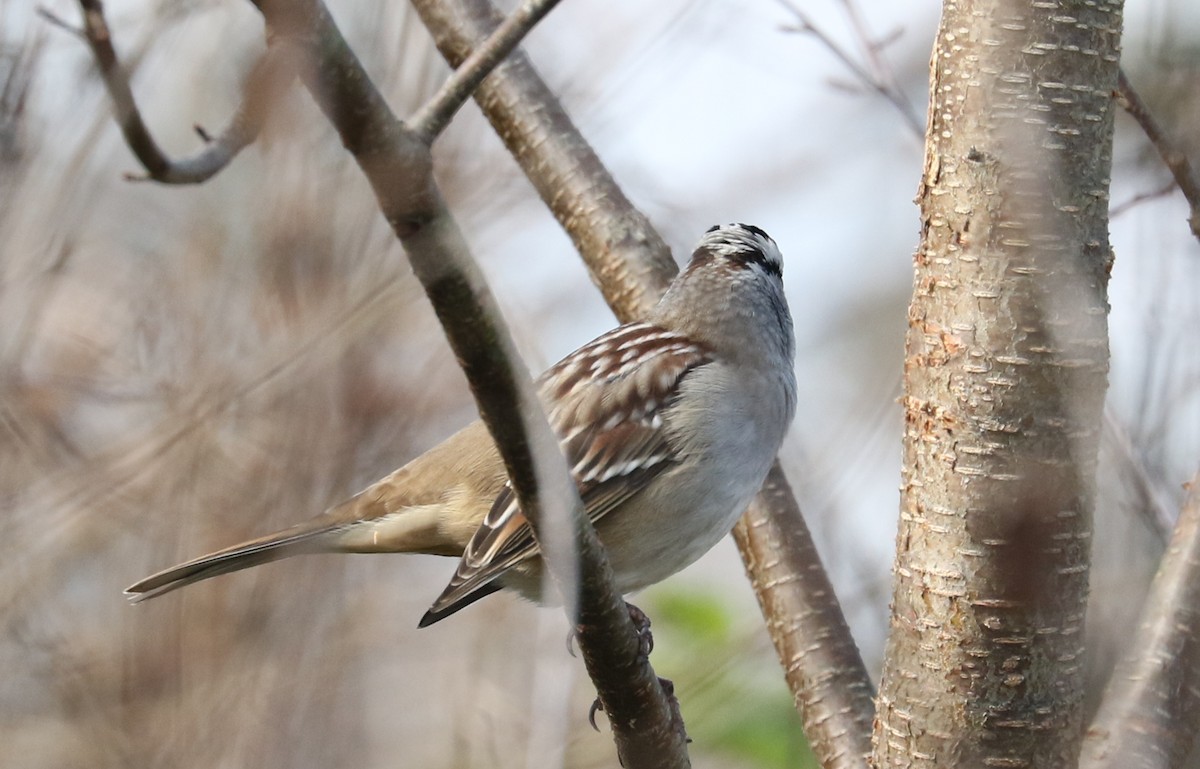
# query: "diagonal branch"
(1150, 712)
(433, 118)
(824, 673)
(1154, 509)
(626, 256)
(1174, 158)
(270, 75)
(1119, 209)
(630, 263)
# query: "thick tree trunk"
(1005, 376)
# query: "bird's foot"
(668, 689)
(641, 623)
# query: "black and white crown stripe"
(743, 243)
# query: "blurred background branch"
(272, 73)
(1172, 156)
(1151, 706)
(874, 73)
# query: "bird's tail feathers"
(301, 539)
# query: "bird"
(669, 426)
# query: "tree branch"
(433, 118)
(1154, 509)
(631, 264)
(626, 256)
(1119, 209)
(273, 71)
(1174, 158)
(824, 671)
(1150, 711)
(398, 165)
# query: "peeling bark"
(1005, 375)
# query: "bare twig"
(1141, 197)
(630, 263)
(1154, 510)
(1150, 712)
(433, 118)
(879, 79)
(270, 74)
(1172, 156)
(61, 23)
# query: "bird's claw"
(641, 623)
(668, 690)
(597, 707)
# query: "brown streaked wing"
(608, 387)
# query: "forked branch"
(433, 118)
(270, 75)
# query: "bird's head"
(741, 245)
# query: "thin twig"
(1174, 158)
(1154, 510)
(880, 82)
(270, 74)
(627, 257)
(435, 115)
(61, 23)
(1123, 208)
(881, 69)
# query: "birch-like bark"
(1005, 375)
(823, 667)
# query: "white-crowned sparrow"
(669, 425)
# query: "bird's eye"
(769, 266)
